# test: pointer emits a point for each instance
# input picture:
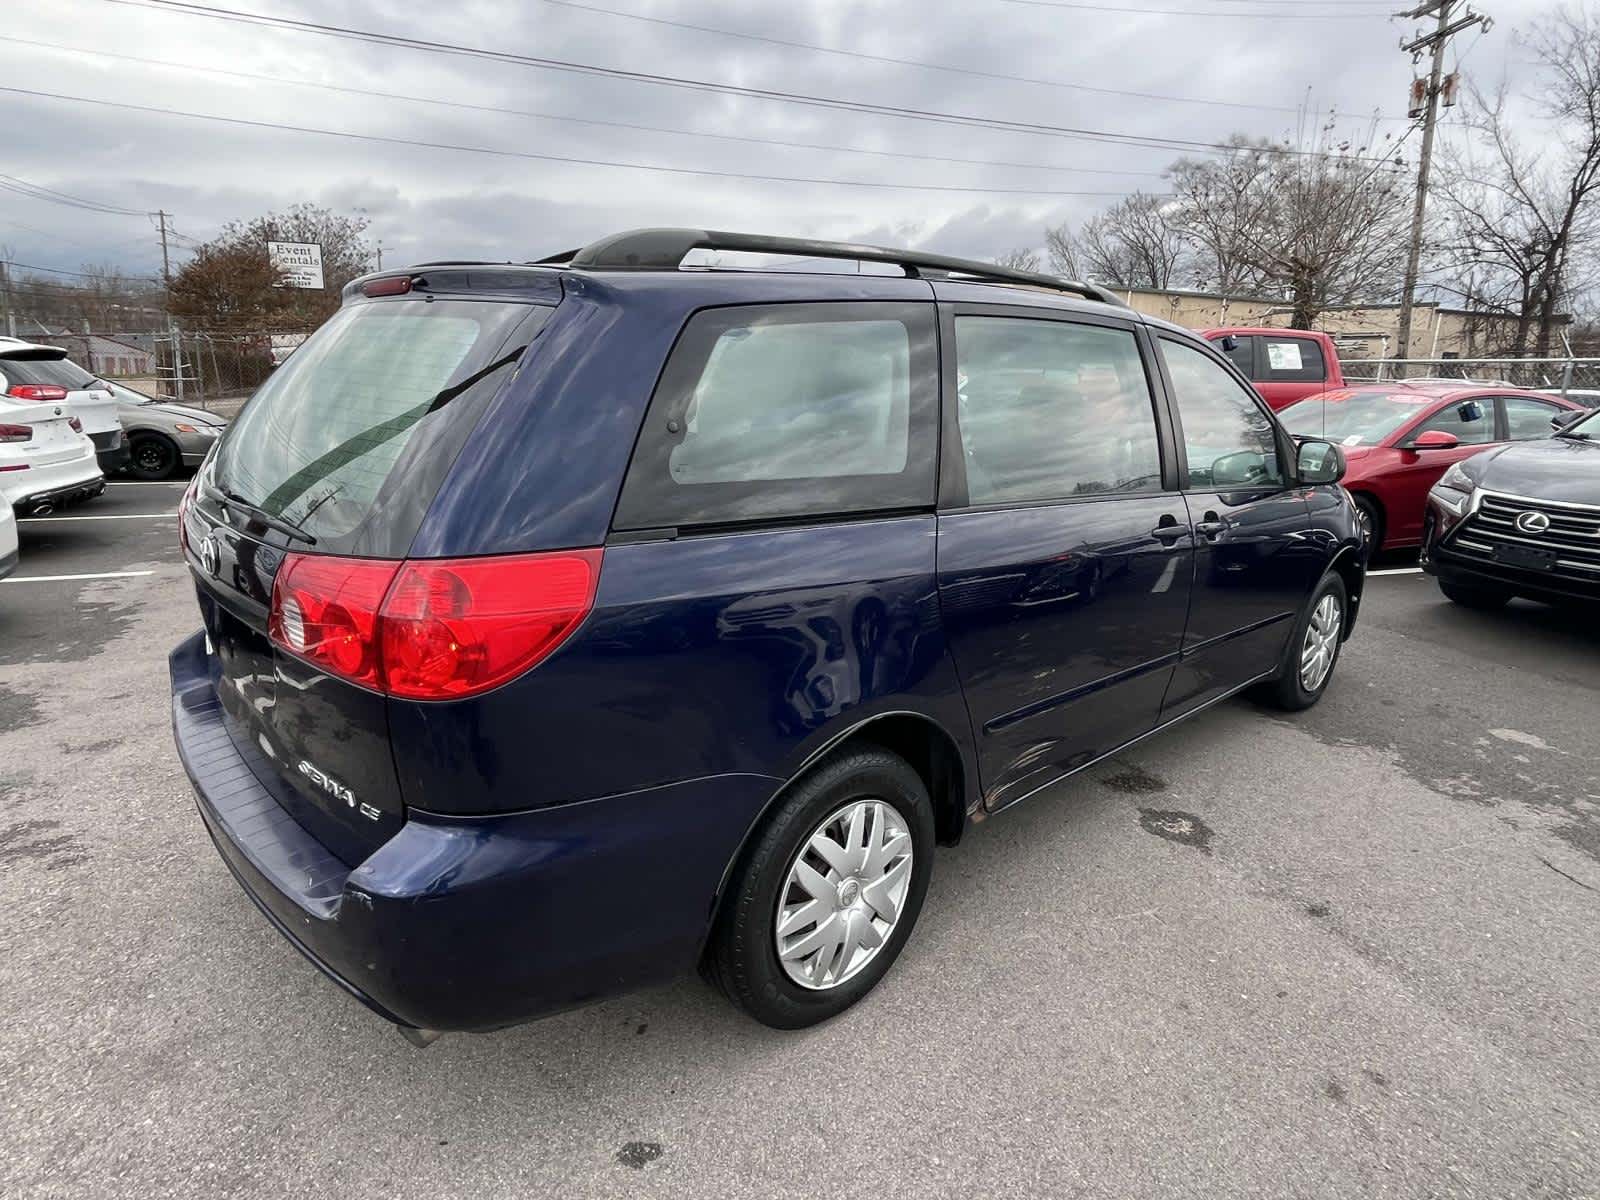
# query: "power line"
(1191, 12)
(78, 274)
(834, 103)
(520, 112)
(38, 191)
(911, 62)
(529, 154)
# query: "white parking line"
(102, 517)
(1398, 571)
(147, 483)
(63, 578)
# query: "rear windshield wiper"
(287, 528)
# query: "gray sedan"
(163, 436)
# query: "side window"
(1528, 419)
(1228, 440)
(1049, 410)
(1243, 355)
(1292, 360)
(1472, 422)
(792, 410)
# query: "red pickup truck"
(1285, 364)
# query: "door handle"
(1211, 528)
(1168, 530)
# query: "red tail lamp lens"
(454, 627)
(396, 285)
(29, 391)
(325, 610)
(431, 629)
(16, 433)
(77, 425)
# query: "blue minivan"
(570, 624)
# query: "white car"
(45, 459)
(8, 540)
(44, 375)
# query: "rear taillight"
(325, 610)
(454, 627)
(77, 425)
(431, 629)
(16, 433)
(30, 391)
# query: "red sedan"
(1398, 438)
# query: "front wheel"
(151, 456)
(822, 903)
(1313, 649)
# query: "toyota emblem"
(1532, 522)
(210, 556)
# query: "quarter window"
(787, 411)
(1049, 410)
(1228, 440)
(1528, 419)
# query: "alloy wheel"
(844, 894)
(1322, 642)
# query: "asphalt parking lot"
(1348, 953)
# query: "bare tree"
(1132, 244)
(1218, 203)
(1019, 260)
(1520, 219)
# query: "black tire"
(1287, 691)
(1372, 522)
(742, 956)
(152, 456)
(1484, 598)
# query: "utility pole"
(5, 297)
(380, 254)
(1434, 43)
(172, 328)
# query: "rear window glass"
(46, 372)
(785, 411)
(318, 442)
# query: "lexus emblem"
(210, 556)
(1532, 522)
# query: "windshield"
(1362, 418)
(46, 372)
(317, 443)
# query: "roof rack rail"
(664, 250)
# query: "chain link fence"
(1544, 374)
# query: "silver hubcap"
(1322, 643)
(844, 894)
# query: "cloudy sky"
(1202, 69)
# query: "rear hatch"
(37, 371)
(336, 458)
(50, 438)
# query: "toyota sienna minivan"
(573, 624)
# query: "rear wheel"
(823, 901)
(1313, 649)
(1475, 597)
(151, 456)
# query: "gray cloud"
(427, 203)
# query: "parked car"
(8, 541)
(1284, 364)
(163, 437)
(1520, 520)
(1399, 438)
(44, 375)
(45, 459)
(570, 625)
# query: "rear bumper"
(473, 923)
(110, 450)
(8, 561)
(53, 485)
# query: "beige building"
(1360, 331)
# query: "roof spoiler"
(664, 250)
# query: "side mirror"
(1469, 411)
(1319, 462)
(1562, 419)
(1434, 439)
(1229, 343)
